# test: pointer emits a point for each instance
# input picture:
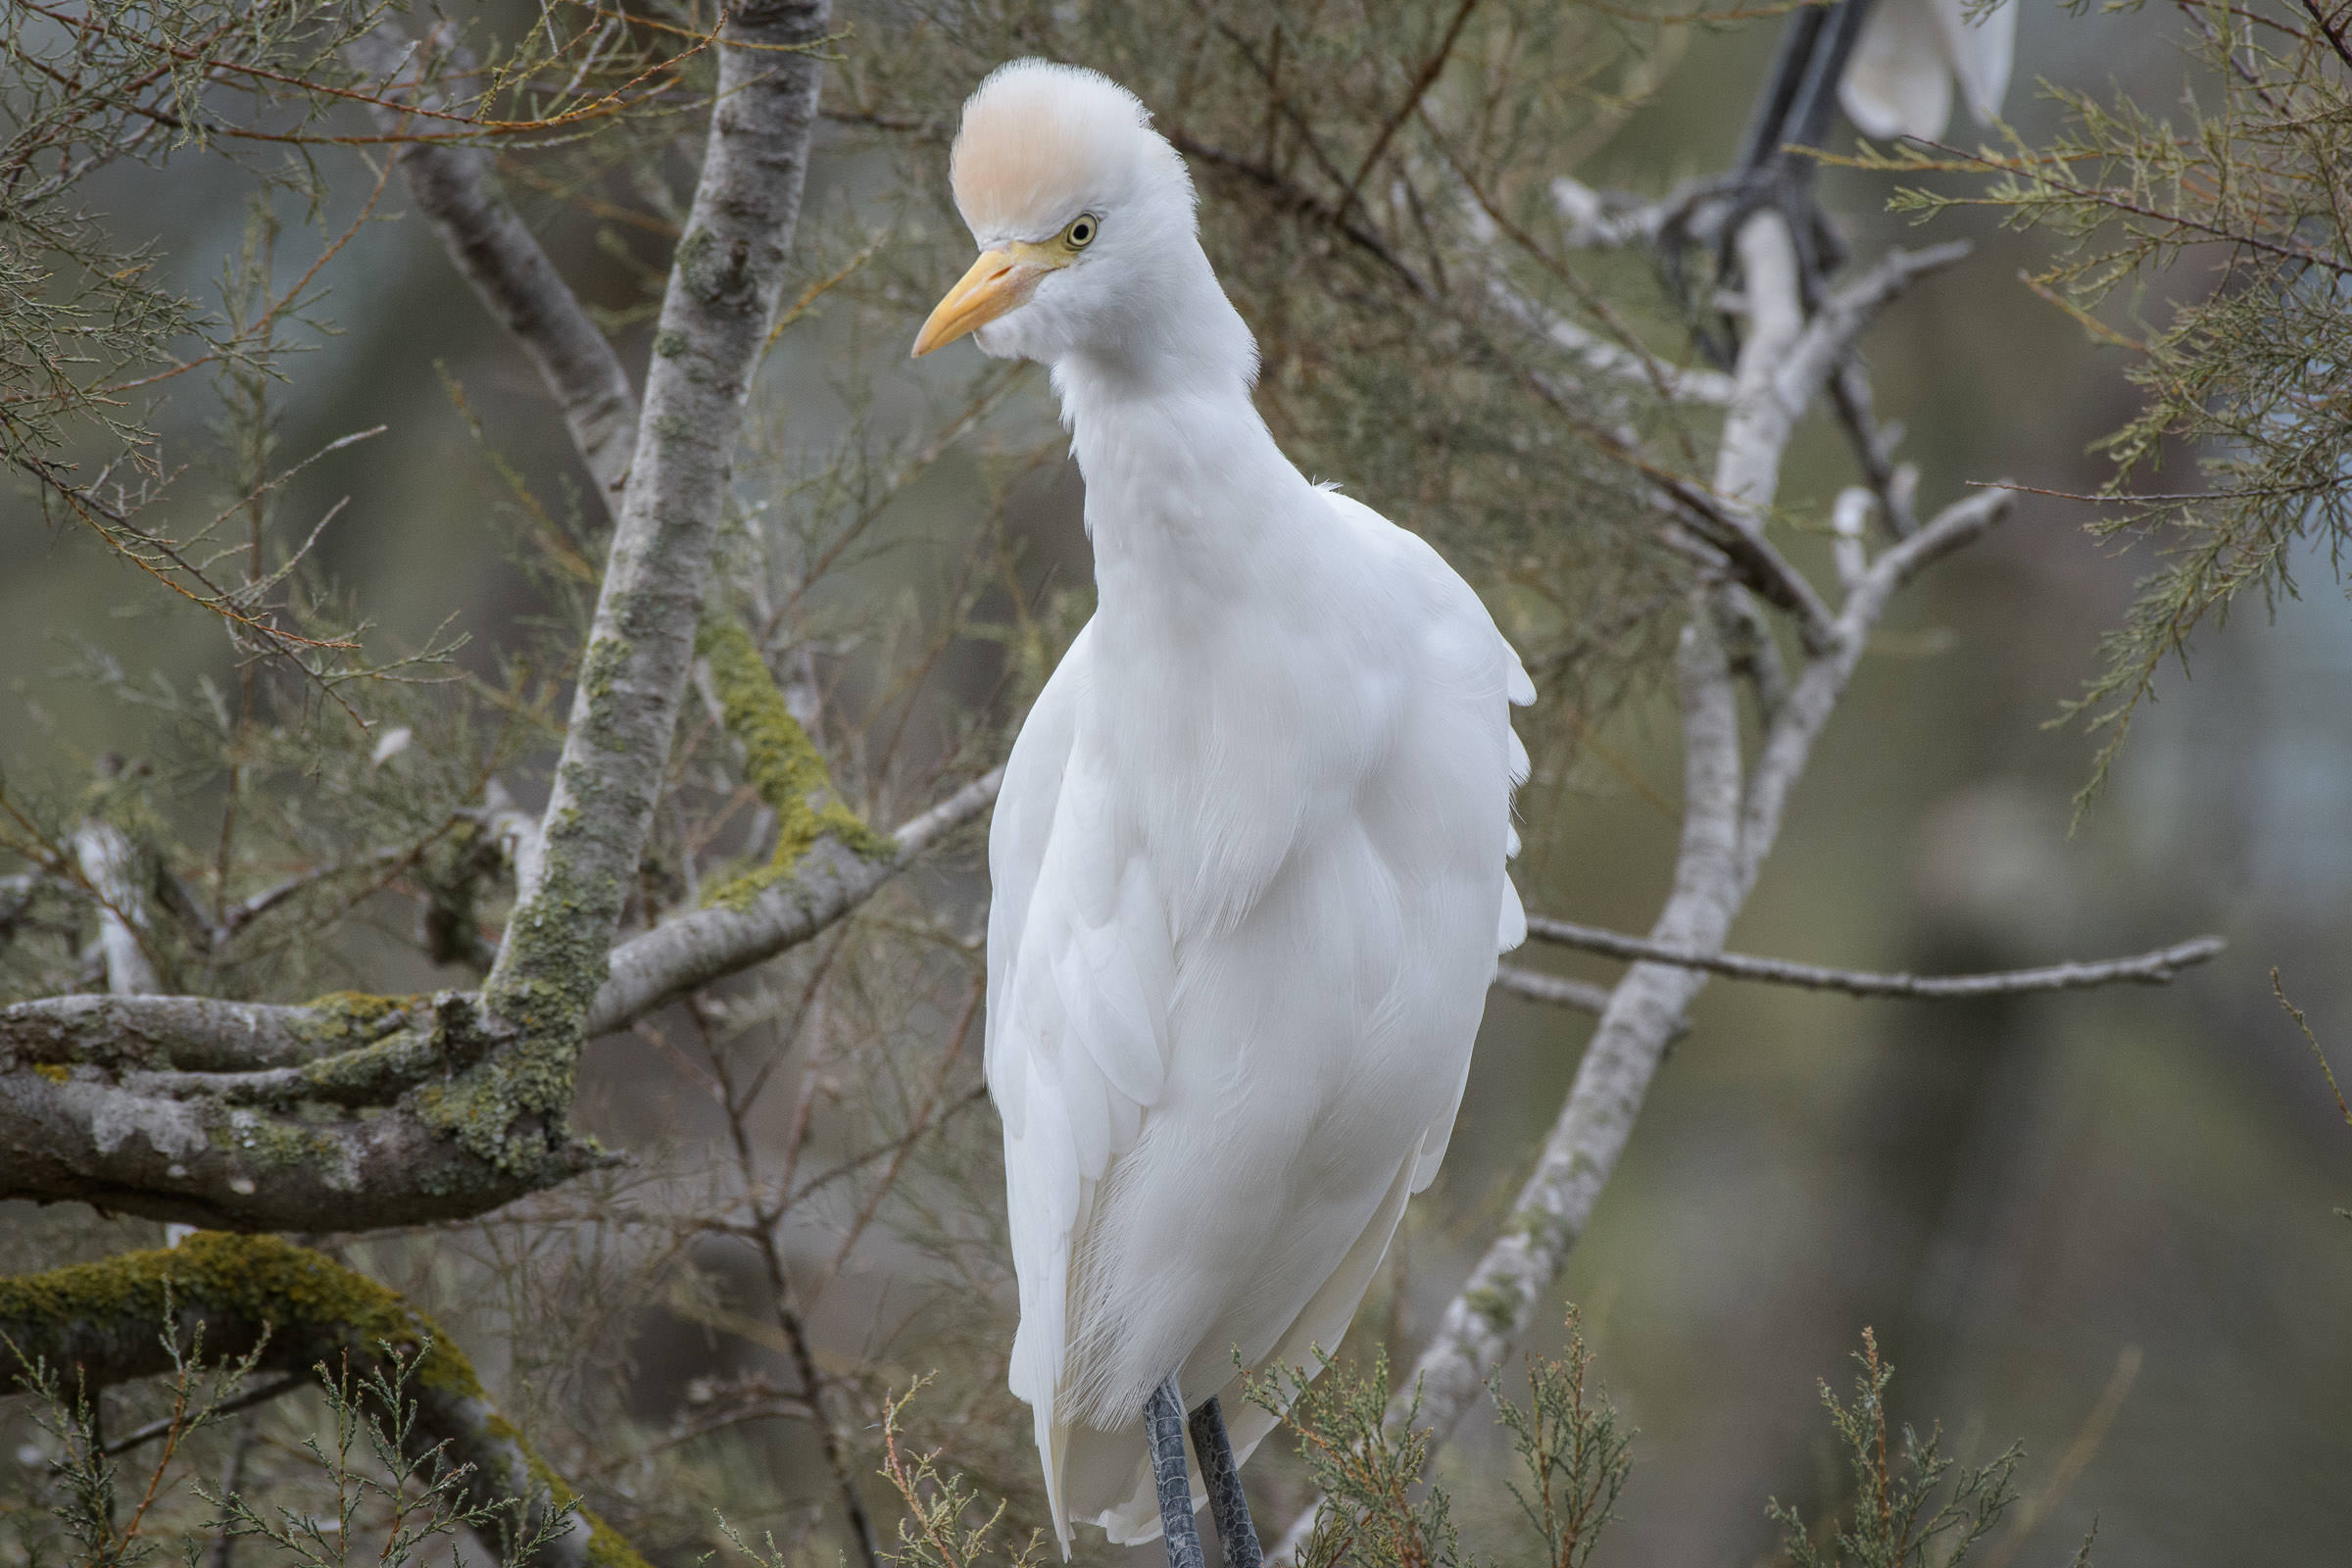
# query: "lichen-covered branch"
(105, 1321)
(723, 287)
(829, 881)
(474, 1093)
(190, 1109)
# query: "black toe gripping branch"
(1792, 111)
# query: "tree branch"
(109, 864)
(1682, 382)
(724, 283)
(476, 1092)
(187, 1108)
(2145, 968)
(1727, 830)
(510, 271)
(301, 1310)
(1580, 996)
(693, 950)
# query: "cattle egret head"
(1084, 216)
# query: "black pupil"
(1081, 231)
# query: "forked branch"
(1732, 813)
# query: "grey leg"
(1226, 1503)
(1164, 1429)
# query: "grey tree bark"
(185, 1109)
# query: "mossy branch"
(780, 762)
(293, 1310)
(189, 1109)
(476, 1098)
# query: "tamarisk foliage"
(2231, 205)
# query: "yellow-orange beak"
(998, 282)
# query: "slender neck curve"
(1176, 337)
(1190, 503)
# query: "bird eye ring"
(1081, 233)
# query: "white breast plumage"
(1248, 866)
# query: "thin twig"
(1580, 996)
(243, 1401)
(2156, 968)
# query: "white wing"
(1108, 1124)
(1898, 83)
(1478, 626)
(1080, 970)
(1899, 80)
(1981, 52)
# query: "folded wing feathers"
(1081, 988)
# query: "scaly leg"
(1163, 1427)
(1226, 1503)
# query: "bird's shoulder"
(1456, 628)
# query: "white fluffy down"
(1248, 865)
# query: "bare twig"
(1580, 996)
(510, 271)
(2144, 969)
(260, 1394)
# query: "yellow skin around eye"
(1002, 280)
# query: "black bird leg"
(1236, 1535)
(1164, 1429)
(1794, 110)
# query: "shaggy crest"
(1042, 141)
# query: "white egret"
(1900, 79)
(1892, 65)
(1247, 863)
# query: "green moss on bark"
(780, 762)
(105, 1316)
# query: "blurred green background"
(2041, 1205)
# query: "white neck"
(1192, 508)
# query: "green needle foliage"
(2234, 210)
(1912, 1508)
(370, 1490)
(365, 1456)
(1574, 1449)
(1367, 1472)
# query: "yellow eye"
(1081, 233)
